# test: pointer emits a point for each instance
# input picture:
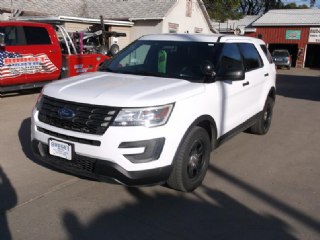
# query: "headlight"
(39, 101)
(148, 117)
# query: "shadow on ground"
(25, 142)
(19, 93)
(300, 87)
(165, 216)
(8, 200)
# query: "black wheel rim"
(267, 117)
(196, 160)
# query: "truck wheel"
(191, 161)
(263, 123)
(114, 49)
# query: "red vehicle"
(32, 54)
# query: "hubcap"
(267, 117)
(196, 162)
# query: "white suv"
(155, 111)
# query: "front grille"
(70, 138)
(84, 118)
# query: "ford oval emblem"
(66, 113)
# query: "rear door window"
(230, 59)
(252, 59)
(36, 35)
(266, 52)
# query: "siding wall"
(141, 28)
(122, 41)
(73, 27)
(186, 24)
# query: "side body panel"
(81, 63)
(26, 63)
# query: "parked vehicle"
(33, 54)
(282, 58)
(155, 111)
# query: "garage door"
(313, 56)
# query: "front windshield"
(169, 59)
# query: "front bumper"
(100, 169)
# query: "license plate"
(60, 149)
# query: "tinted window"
(252, 59)
(14, 36)
(230, 59)
(266, 52)
(17, 36)
(281, 53)
(36, 35)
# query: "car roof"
(200, 38)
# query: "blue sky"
(300, 2)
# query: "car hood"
(122, 90)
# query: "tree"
(254, 7)
(294, 6)
(312, 3)
(221, 10)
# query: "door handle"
(266, 74)
(245, 84)
(52, 51)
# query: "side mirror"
(207, 69)
(2, 43)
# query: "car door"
(43, 56)
(257, 73)
(234, 94)
(10, 52)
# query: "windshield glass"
(169, 59)
(280, 53)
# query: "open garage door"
(292, 48)
(313, 56)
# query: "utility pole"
(11, 8)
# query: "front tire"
(263, 123)
(191, 161)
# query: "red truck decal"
(15, 64)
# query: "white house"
(133, 17)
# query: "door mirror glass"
(207, 69)
(2, 43)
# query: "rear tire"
(191, 161)
(263, 123)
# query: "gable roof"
(110, 9)
(290, 17)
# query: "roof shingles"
(110, 9)
(286, 17)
